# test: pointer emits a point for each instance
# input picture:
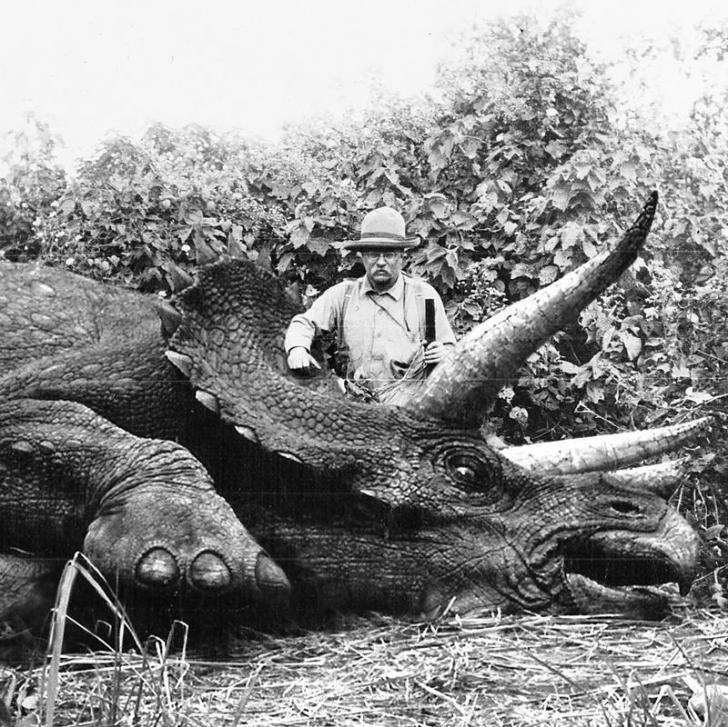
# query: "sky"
(92, 68)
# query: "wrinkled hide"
(390, 507)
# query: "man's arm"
(443, 329)
(304, 327)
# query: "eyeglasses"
(374, 255)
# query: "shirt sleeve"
(321, 316)
(443, 328)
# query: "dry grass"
(528, 670)
(489, 670)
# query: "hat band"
(385, 235)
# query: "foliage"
(32, 184)
(525, 163)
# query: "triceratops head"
(406, 506)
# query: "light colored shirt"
(381, 331)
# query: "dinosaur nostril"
(157, 567)
(623, 507)
(209, 572)
(271, 579)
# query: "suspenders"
(342, 352)
(341, 359)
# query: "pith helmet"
(382, 229)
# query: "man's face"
(382, 267)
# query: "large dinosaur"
(391, 507)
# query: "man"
(379, 318)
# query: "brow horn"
(461, 387)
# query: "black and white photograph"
(364, 364)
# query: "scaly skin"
(382, 507)
(362, 506)
(143, 510)
(66, 337)
(27, 590)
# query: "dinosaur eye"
(464, 472)
(467, 470)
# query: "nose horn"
(157, 569)
(208, 572)
(661, 479)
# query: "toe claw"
(157, 568)
(272, 581)
(209, 572)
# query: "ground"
(526, 670)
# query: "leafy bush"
(525, 165)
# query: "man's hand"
(435, 352)
(299, 359)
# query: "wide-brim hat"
(382, 229)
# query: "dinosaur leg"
(27, 590)
(143, 510)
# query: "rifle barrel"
(430, 332)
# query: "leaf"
(438, 208)
(68, 206)
(522, 270)
(284, 262)
(235, 248)
(699, 397)
(281, 191)
(569, 368)
(632, 344)
(507, 394)
(595, 392)
(462, 219)
(447, 274)
(556, 149)
(548, 274)
(194, 217)
(452, 259)
(519, 414)
(435, 252)
(300, 236)
(473, 309)
(392, 177)
(713, 532)
(437, 161)
(89, 207)
(571, 234)
(561, 196)
(319, 245)
(589, 248)
(204, 253)
(680, 370)
(488, 201)
(629, 171)
(562, 259)
(470, 146)
(509, 228)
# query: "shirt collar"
(396, 291)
